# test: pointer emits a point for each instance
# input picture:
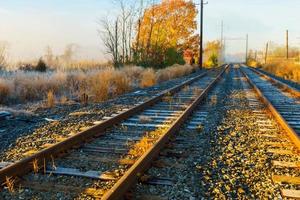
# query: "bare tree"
(49, 57)
(117, 34)
(69, 53)
(110, 38)
(3, 54)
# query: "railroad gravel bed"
(29, 130)
(226, 160)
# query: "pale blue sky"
(30, 25)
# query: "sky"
(30, 25)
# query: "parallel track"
(126, 149)
(283, 103)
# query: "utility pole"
(255, 57)
(201, 35)
(287, 44)
(266, 54)
(246, 48)
(221, 42)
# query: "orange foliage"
(170, 24)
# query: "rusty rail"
(143, 163)
(26, 165)
(289, 130)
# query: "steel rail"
(284, 86)
(283, 123)
(143, 163)
(27, 164)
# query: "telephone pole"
(266, 54)
(201, 35)
(221, 42)
(287, 44)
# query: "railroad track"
(283, 145)
(106, 161)
(275, 144)
(109, 157)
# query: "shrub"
(172, 57)
(41, 66)
(212, 61)
(4, 91)
(285, 69)
(98, 85)
(50, 99)
(121, 83)
(148, 78)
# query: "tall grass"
(285, 69)
(148, 78)
(98, 84)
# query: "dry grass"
(50, 99)
(10, 184)
(197, 91)
(63, 99)
(148, 78)
(99, 85)
(4, 91)
(174, 71)
(284, 69)
(35, 166)
(145, 119)
(141, 147)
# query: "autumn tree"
(212, 53)
(164, 31)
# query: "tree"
(212, 53)
(110, 38)
(41, 66)
(69, 53)
(117, 33)
(49, 57)
(168, 25)
(3, 54)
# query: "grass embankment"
(288, 70)
(93, 85)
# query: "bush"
(4, 91)
(284, 69)
(50, 99)
(148, 78)
(99, 85)
(173, 57)
(41, 66)
(212, 61)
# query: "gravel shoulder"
(227, 159)
(28, 130)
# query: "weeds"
(99, 84)
(197, 91)
(4, 91)
(148, 78)
(35, 166)
(284, 69)
(145, 119)
(50, 99)
(63, 100)
(10, 184)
